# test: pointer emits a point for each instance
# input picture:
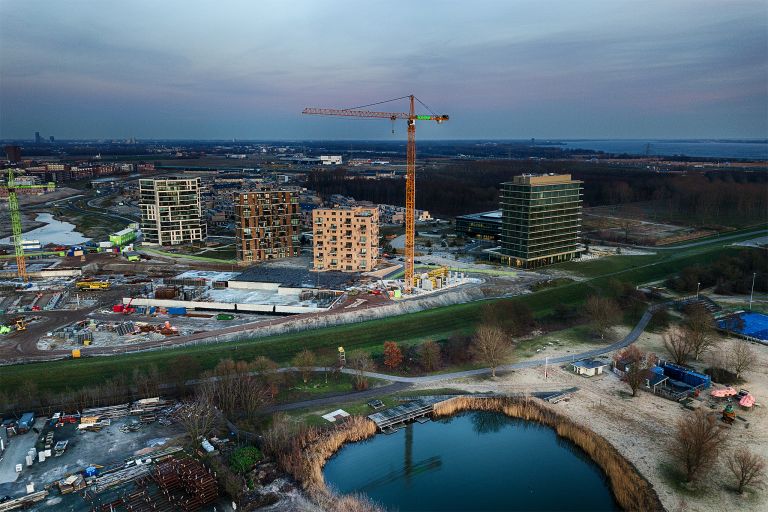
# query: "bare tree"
(700, 330)
(637, 368)
(267, 374)
(305, 362)
(429, 355)
(742, 358)
(603, 313)
(678, 344)
(748, 469)
(491, 346)
(362, 363)
(696, 442)
(147, 382)
(199, 416)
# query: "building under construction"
(267, 225)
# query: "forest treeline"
(473, 186)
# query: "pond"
(472, 461)
(54, 232)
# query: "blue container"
(177, 311)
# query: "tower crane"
(13, 208)
(410, 177)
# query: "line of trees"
(729, 274)
(473, 186)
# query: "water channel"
(54, 232)
(472, 461)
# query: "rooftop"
(589, 363)
(492, 216)
(542, 179)
(295, 273)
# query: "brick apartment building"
(267, 223)
(346, 239)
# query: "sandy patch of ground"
(639, 427)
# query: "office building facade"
(541, 219)
(483, 226)
(267, 225)
(345, 239)
(170, 211)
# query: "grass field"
(181, 255)
(412, 328)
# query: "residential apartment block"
(346, 239)
(541, 219)
(170, 211)
(267, 225)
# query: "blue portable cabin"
(686, 375)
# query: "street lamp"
(752, 293)
(697, 290)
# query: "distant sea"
(747, 150)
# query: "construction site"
(129, 456)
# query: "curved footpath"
(400, 383)
(626, 341)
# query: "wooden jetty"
(389, 420)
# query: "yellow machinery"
(439, 278)
(93, 285)
(21, 324)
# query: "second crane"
(410, 178)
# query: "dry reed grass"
(308, 453)
(312, 447)
(631, 489)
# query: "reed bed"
(631, 489)
(308, 452)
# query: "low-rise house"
(589, 367)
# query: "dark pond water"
(472, 461)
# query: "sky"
(501, 69)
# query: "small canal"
(472, 461)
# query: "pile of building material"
(93, 424)
(125, 328)
(119, 477)
(110, 411)
(24, 502)
(72, 483)
(149, 405)
(188, 483)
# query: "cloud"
(503, 69)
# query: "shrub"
(243, 459)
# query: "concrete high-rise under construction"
(541, 219)
(267, 225)
(170, 211)
(346, 239)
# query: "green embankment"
(432, 324)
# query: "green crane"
(13, 208)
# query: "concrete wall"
(70, 272)
(248, 285)
(223, 306)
